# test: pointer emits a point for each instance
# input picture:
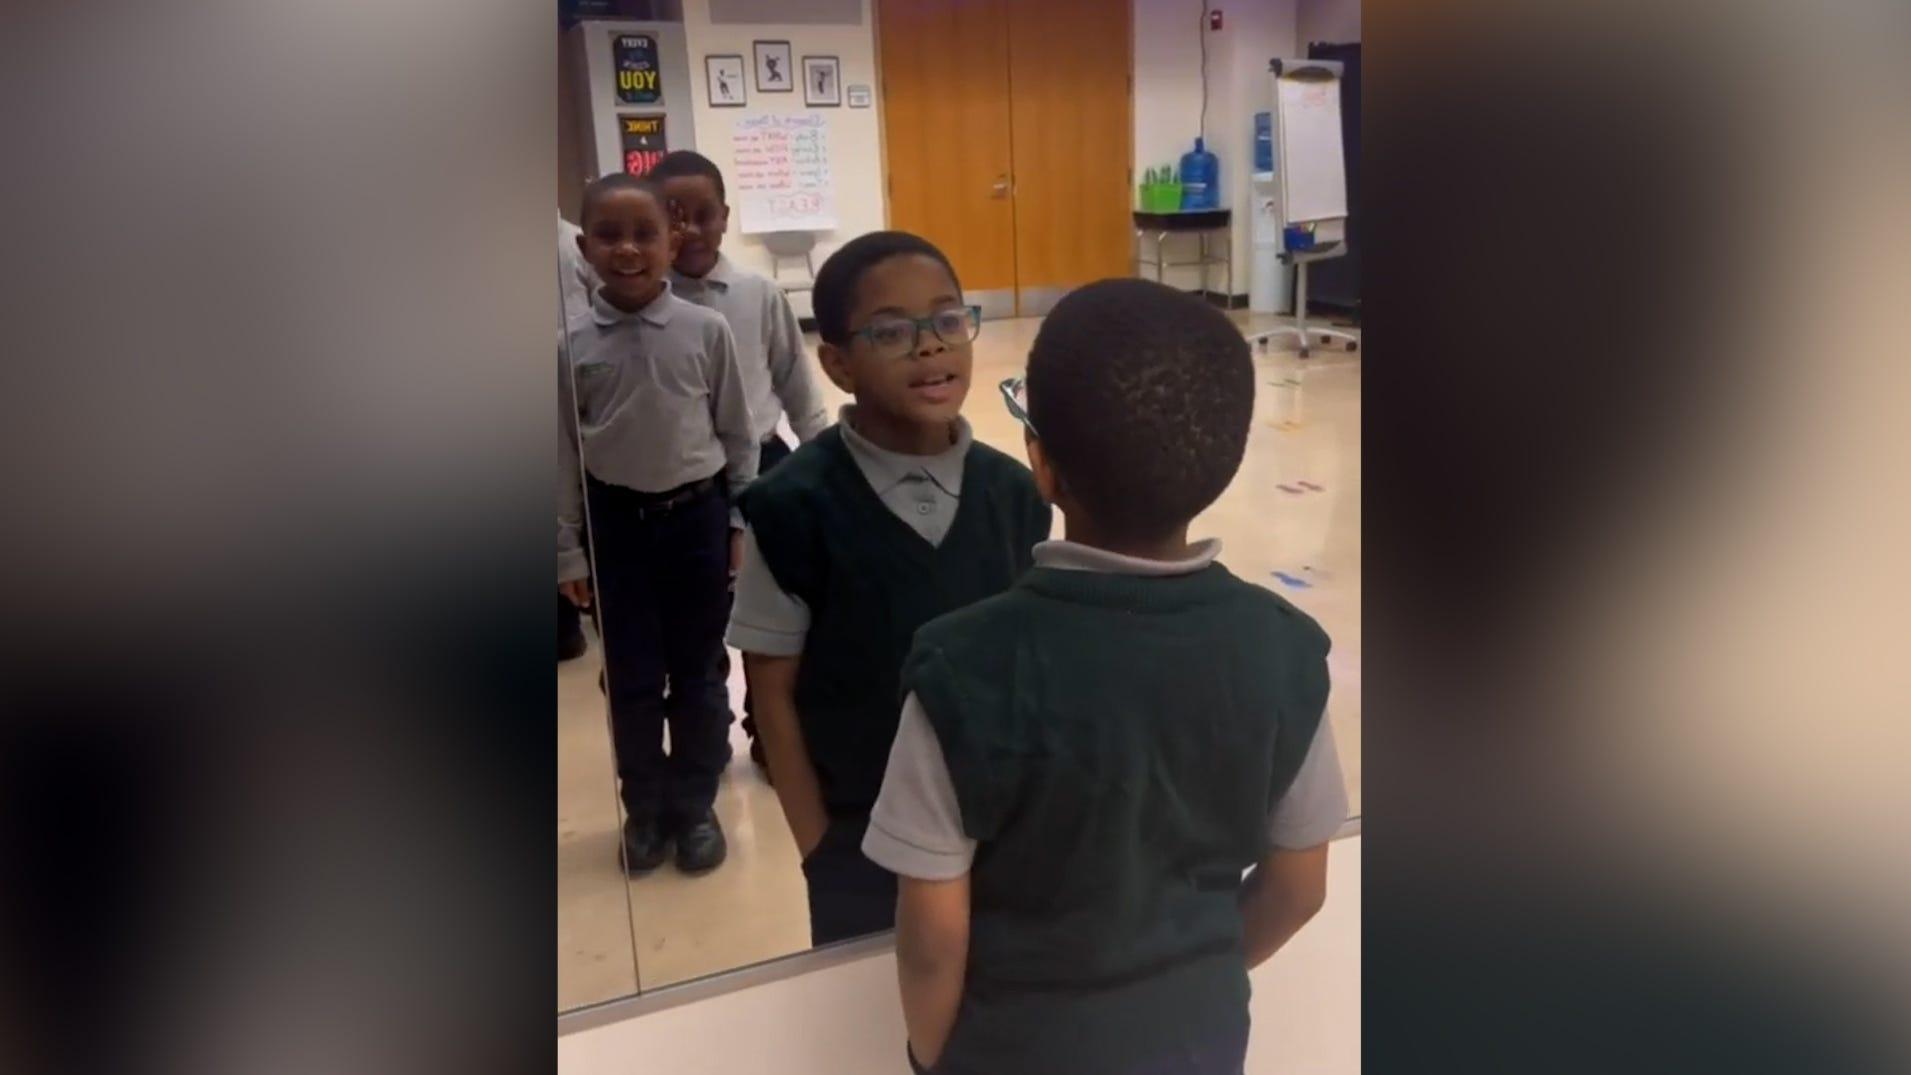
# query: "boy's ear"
(835, 363)
(1045, 480)
(579, 240)
(678, 224)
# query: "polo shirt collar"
(656, 312)
(885, 468)
(1071, 556)
(721, 276)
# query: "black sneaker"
(700, 844)
(645, 845)
(570, 631)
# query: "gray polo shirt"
(915, 829)
(575, 280)
(659, 402)
(921, 490)
(776, 367)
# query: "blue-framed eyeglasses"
(892, 336)
(1015, 394)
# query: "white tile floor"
(1290, 521)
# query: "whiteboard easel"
(1310, 174)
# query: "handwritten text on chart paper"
(783, 179)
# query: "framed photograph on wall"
(822, 82)
(773, 74)
(723, 77)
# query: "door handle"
(1002, 186)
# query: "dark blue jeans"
(663, 581)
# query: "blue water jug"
(1200, 179)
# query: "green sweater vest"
(1116, 745)
(869, 581)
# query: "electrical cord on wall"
(1202, 130)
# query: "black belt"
(660, 503)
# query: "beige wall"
(573, 149)
(1335, 22)
(1167, 103)
(1306, 1010)
(855, 134)
(1168, 99)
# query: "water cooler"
(1267, 276)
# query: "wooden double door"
(1008, 133)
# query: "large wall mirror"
(622, 932)
(651, 710)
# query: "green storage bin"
(1160, 197)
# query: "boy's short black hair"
(1141, 396)
(617, 181)
(684, 163)
(834, 293)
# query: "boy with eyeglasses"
(887, 520)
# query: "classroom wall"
(1168, 39)
(846, 1018)
(1335, 22)
(805, 11)
(1167, 97)
(855, 134)
(1253, 34)
(573, 131)
(1167, 102)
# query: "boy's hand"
(736, 553)
(578, 590)
(773, 682)
(1286, 889)
(808, 841)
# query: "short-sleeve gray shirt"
(777, 379)
(575, 280)
(656, 399)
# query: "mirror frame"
(677, 994)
